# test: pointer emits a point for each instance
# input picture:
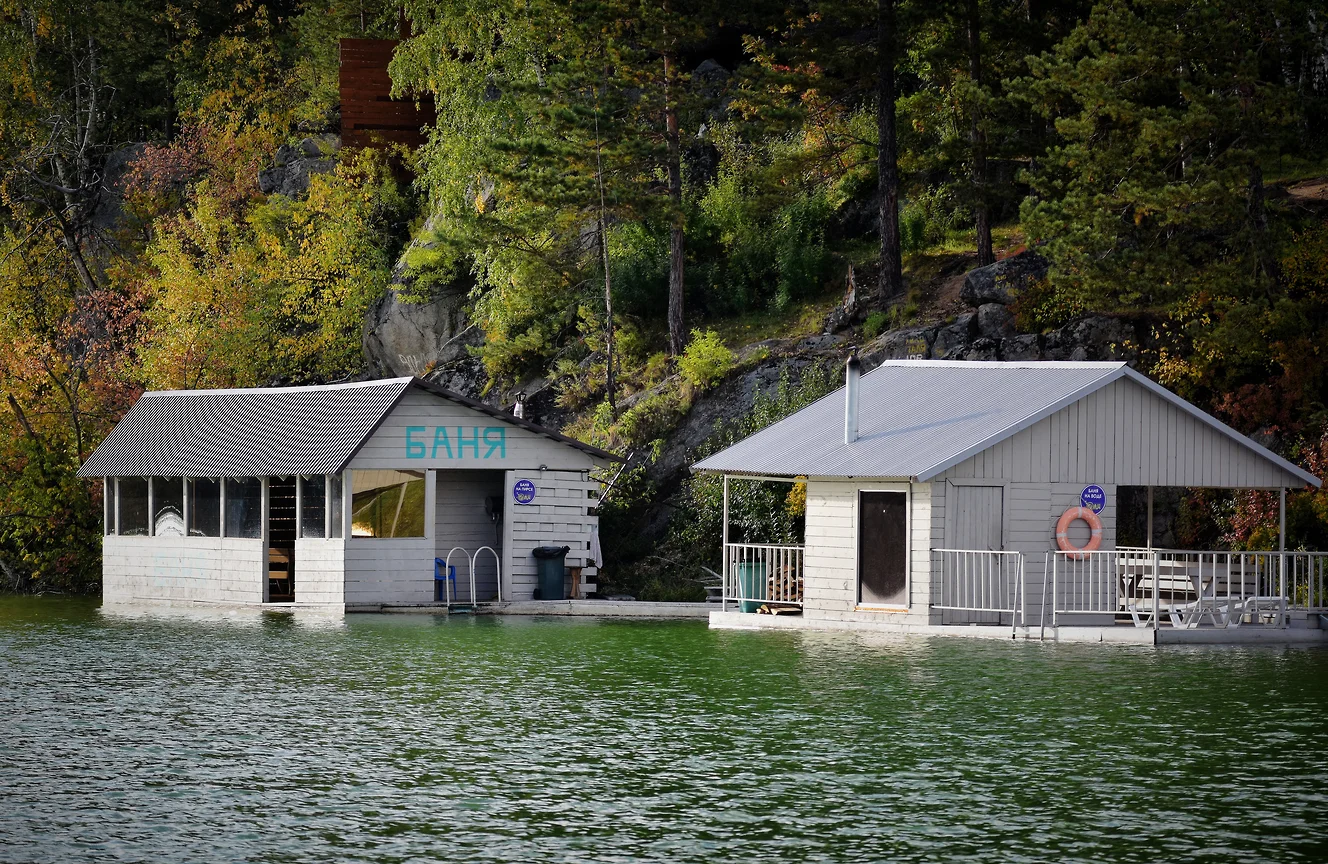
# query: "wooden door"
(882, 549)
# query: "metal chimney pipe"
(852, 374)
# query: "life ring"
(1078, 553)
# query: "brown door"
(882, 549)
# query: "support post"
(184, 505)
(152, 489)
(724, 551)
(327, 507)
(299, 506)
(116, 488)
(1281, 539)
(266, 538)
(1150, 517)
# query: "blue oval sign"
(523, 491)
(1094, 498)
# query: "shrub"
(705, 360)
(875, 324)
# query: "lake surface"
(262, 737)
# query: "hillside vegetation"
(648, 207)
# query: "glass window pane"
(133, 506)
(335, 481)
(204, 507)
(168, 504)
(387, 504)
(244, 507)
(313, 506)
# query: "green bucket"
(751, 585)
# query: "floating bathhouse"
(982, 497)
(391, 492)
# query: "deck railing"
(1188, 588)
(757, 574)
(983, 582)
(1153, 587)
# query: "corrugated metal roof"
(262, 432)
(917, 418)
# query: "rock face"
(430, 338)
(293, 166)
(1001, 282)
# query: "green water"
(404, 738)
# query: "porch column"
(724, 552)
(1281, 539)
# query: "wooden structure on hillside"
(369, 114)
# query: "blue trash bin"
(751, 584)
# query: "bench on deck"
(1189, 591)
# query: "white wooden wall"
(830, 582)
(183, 569)
(422, 414)
(559, 516)
(320, 572)
(1031, 511)
(1124, 435)
(460, 520)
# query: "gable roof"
(264, 431)
(918, 418)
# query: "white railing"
(983, 582)
(449, 587)
(757, 574)
(1187, 588)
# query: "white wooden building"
(939, 505)
(342, 496)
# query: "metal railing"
(449, 590)
(983, 582)
(1188, 588)
(757, 574)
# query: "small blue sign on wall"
(1094, 498)
(523, 491)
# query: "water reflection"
(194, 735)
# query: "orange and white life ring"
(1078, 553)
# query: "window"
(387, 504)
(313, 506)
(133, 506)
(244, 507)
(108, 504)
(204, 507)
(168, 507)
(335, 484)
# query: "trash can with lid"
(549, 564)
(751, 584)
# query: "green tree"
(1166, 112)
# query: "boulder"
(911, 344)
(1023, 347)
(953, 337)
(294, 165)
(995, 321)
(981, 348)
(1001, 282)
(429, 336)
